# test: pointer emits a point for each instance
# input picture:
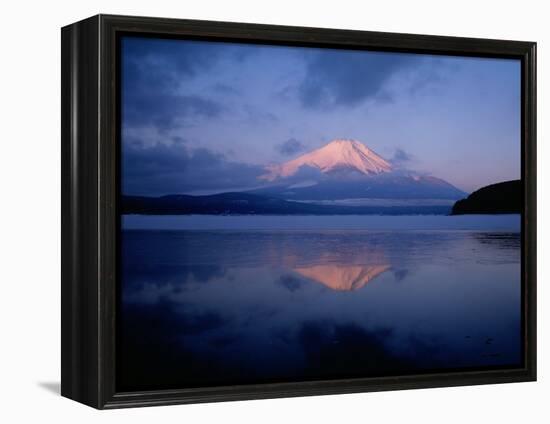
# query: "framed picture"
(253, 211)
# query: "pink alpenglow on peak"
(337, 155)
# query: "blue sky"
(202, 116)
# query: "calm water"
(210, 306)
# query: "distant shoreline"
(237, 203)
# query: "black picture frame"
(90, 186)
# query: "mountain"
(500, 198)
(343, 177)
(252, 204)
(347, 169)
(336, 156)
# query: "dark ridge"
(500, 198)
(254, 204)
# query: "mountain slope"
(384, 186)
(338, 155)
(347, 169)
(343, 277)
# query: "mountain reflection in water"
(342, 277)
(204, 308)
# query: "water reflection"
(342, 277)
(203, 307)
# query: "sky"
(204, 117)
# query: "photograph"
(275, 212)
(292, 214)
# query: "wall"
(29, 323)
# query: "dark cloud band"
(291, 147)
(162, 169)
(346, 78)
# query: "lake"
(215, 300)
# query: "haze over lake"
(511, 222)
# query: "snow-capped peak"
(340, 154)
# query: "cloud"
(258, 115)
(290, 282)
(158, 64)
(225, 89)
(358, 351)
(161, 169)
(165, 111)
(347, 78)
(153, 281)
(290, 147)
(400, 157)
(154, 73)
